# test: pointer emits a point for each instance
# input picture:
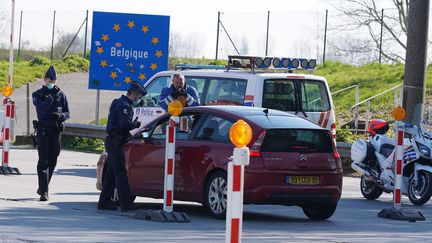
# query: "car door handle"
(158, 111)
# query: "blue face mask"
(50, 85)
(136, 102)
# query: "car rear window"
(297, 140)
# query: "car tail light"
(254, 150)
(336, 154)
(333, 130)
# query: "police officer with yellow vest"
(52, 110)
(119, 124)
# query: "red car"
(292, 160)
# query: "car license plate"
(302, 180)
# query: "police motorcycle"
(374, 157)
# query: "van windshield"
(280, 94)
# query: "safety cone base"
(162, 216)
(401, 214)
(6, 170)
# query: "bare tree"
(181, 46)
(358, 14)
(64, 40)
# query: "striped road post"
(169, 164)
(240, 136)
(398, 165)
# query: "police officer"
(179, 90)
(52, 110)
(119, 124)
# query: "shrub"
(39, 61)
(76, 63)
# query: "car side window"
(184, 128)
(226, 91)
(154, 90)
(215, 129)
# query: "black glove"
(183, 92)
(56, 91)
(136, 123)
(175, 94)
(57, 116)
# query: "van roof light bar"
(287, 63)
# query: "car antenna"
(266, 112)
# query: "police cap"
(135, 86)
(51, 73)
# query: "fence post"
(357, 97)
(28, 107)
(217, 36)
(52, 39)
(367, 115)
(325, 36)
(381, 35)
(85, 35)
(19, 38)
(267, 36)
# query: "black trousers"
(48, 151)
(115, 174)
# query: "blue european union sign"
(126, 48)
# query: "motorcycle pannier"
(362, 152)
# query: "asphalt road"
(71, 215)
(82, 101)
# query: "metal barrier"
(397, 101)
(85, 130)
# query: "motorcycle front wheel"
(369, 189)
(420, 192)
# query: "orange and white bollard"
(397, 212)
(169, 164)
(240, 135)
(398, 165)
(7, 137)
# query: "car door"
(209, 147)
(146, 157)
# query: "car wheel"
(369, 189)
(215, 194)
(320, 211)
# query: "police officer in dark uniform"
(119, 124)
(52, 110)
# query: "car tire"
(215, 194)
(320, 211)
(369, 189)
